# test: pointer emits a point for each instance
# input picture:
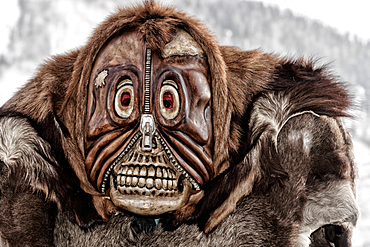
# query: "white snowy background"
(33, 30)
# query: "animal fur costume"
(281, 167)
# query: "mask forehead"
(127, 48)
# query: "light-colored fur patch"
(3, 242)
(183, 45)
(294, 136)
(274, 111)
(22, 147)
(333, 203)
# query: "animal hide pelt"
(252, 143)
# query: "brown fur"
(25, 218)
(311, 89)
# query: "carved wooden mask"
(149, 139)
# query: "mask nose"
(147, 128)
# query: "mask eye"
(169, 100)
(124, 98)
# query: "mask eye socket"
(169, 100)
(124, 98)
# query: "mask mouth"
(152, 181)
(148, 183)
(147, 195)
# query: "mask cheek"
(196, 126)
(197, 122)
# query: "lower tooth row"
(136, 191)
(149, 183)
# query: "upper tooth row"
(147, 171)
(148, 182)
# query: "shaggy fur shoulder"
(33, 163)
(293, 87)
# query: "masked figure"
(156, 134)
